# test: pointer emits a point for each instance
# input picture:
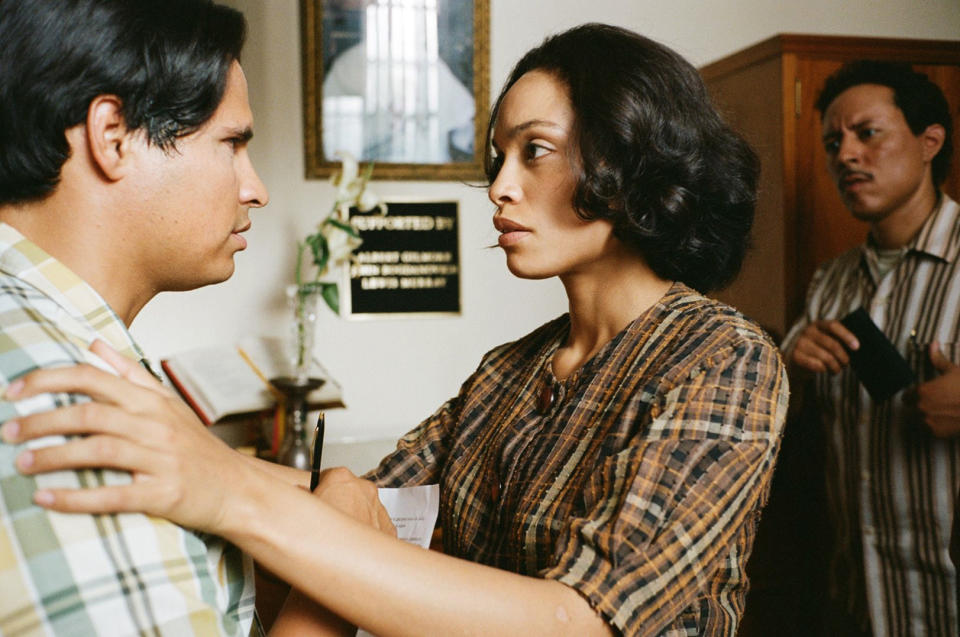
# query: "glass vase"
(302, 305)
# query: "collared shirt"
(892, 485)
(639, 483)
(77, 574)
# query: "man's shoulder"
(33, 331)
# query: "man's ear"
(108, 139)
(932, 139)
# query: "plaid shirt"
(891, 485)
(640, 485)
(92, 574)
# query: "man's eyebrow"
(244, 134)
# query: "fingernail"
(14, 389)
(9, 431)
(854, 344)
(24, 460)
(43, 498)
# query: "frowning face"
(877, 162)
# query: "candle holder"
(294, 450)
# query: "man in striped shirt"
(893, 465)
(123, 172)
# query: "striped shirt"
(891, 485)
(639, 484)
(92, 574)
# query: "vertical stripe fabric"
(892, 486)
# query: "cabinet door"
(825, 227)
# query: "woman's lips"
(510, 231)
(510, 238)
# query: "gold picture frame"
(371, 132)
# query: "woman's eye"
(535, 151)
(867, 133)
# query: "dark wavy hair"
(166, 60)
(920, 100)
(655, 157)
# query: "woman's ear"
(108, 138)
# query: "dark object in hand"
(882, 370)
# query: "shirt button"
(865, 475)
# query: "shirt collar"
(936, 237)
(87, 315)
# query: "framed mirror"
(401, 83)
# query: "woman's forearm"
(390, 587)
(286, 474)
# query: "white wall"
(395, 372)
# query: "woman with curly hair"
(600, 475)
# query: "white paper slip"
(413, 511)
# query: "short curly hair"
(919, 99)
(656, 159)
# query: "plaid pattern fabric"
(892, 487)
(92, 574)
(640, 486)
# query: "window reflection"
(389, 95)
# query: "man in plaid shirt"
(123, 173)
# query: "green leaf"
(331, 295)
(346, 227)
(320, 250)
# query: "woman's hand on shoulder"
(134, 424)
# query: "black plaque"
(409, 262)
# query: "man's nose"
(253, 192)
(851, 149)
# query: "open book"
(218, 383)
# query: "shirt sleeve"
(421, 453)
(101, 574)
(669, 513)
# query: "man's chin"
(864, 211)
(204, 279)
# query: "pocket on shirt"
(919, 359)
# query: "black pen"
(317, 452)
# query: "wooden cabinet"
(767, 91)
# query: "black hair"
(655, 157)
(920, 100)
(166, 60)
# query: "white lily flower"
(345, 180)
(340, 243)
(369, 200)
(340, 236)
